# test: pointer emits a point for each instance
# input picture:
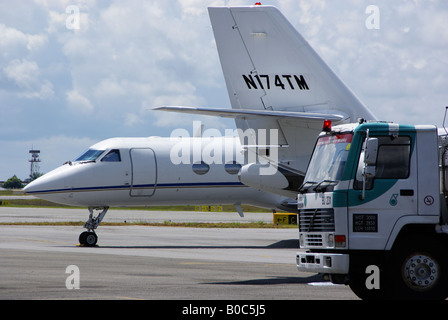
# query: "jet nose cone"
(31, 187)
(48, 183)
(35, 186)
(53, 186)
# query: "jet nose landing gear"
(89, 238)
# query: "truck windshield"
(328, 161)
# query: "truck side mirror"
(369, 170)
(371, 152)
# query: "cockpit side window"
(90, 155)
(112, 156)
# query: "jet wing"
(256, 114)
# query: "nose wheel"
(89, 238)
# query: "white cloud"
(110, 87)
(130, 54)
(27, 77)
(13, 41)
(36, 41)
(395, 70)
(79, 103)
(131, 119)
(22, 72)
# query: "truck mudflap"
(322, 262)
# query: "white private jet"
(280, 91)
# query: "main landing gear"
(89, 238)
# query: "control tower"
(34, 162)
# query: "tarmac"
(153, 263)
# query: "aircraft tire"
(88, 239)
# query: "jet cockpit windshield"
(90, 155)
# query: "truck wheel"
(420, 269)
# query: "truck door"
(144, 172)
(390, 194)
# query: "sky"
(73, 73)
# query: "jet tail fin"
(268, 65)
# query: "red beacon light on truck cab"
(327, 126)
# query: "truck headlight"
(330, 240)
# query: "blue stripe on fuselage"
(144, 186)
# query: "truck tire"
(419, 269)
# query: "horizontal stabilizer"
(254, 114)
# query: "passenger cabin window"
(112, 156)
(392, 162)
(201, 168)
(232, 167)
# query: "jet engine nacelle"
(267, 177)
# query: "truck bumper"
(333, 263)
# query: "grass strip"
(39, 203)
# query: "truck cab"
(371, 200)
